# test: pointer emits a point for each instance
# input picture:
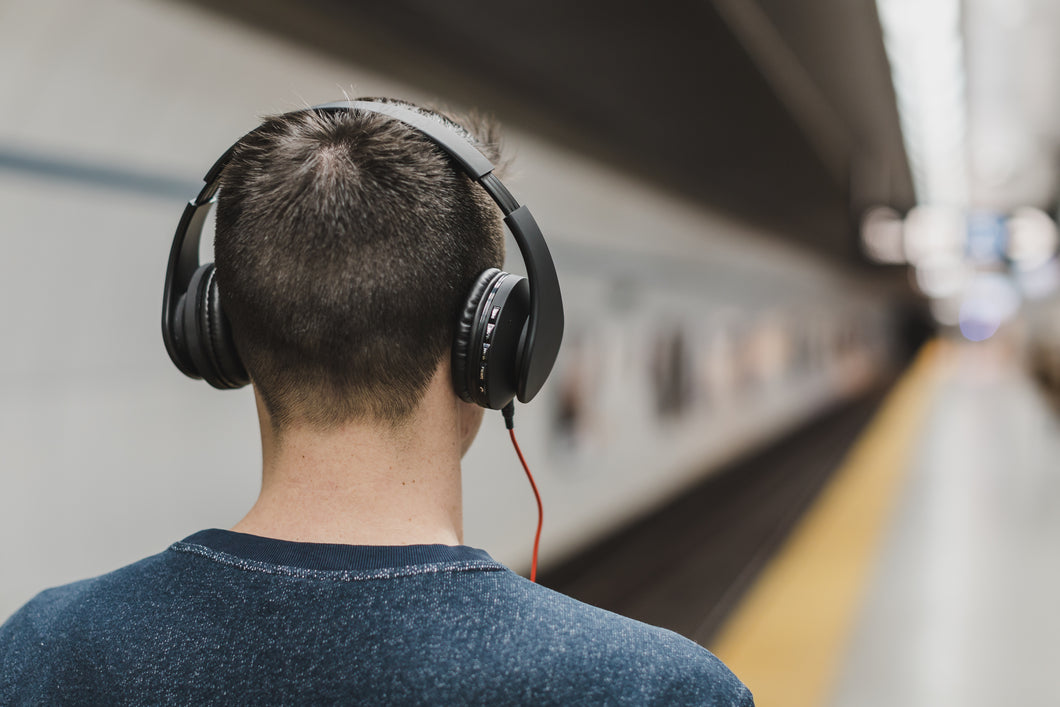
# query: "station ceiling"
(779, 113)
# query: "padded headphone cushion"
(465, 325)
(192, 328)
(223, 353)
(208, 337)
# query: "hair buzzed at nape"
(346, 244)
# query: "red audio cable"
(509, 421)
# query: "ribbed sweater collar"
(328, 556)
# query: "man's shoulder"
(617, 656)
(82, 596)
(62, 625)
(87, 596)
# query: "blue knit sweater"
(228, 618)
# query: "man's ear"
(470, 416)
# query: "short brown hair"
(346, 244)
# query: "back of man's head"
(346, 244)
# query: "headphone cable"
(509, 421)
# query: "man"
(346, 245)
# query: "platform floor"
(964, 604)
(927, 572)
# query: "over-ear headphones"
(510, 328)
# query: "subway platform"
(959, 602)
(920, 568)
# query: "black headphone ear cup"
(179, 336)
(208, 334)
(190, 326)
(222, 346)
(462, 353)
(487, 347)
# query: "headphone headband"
(540, 339)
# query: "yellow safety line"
(785, 638)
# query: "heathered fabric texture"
(228, 618)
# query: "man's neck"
(362, 484)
